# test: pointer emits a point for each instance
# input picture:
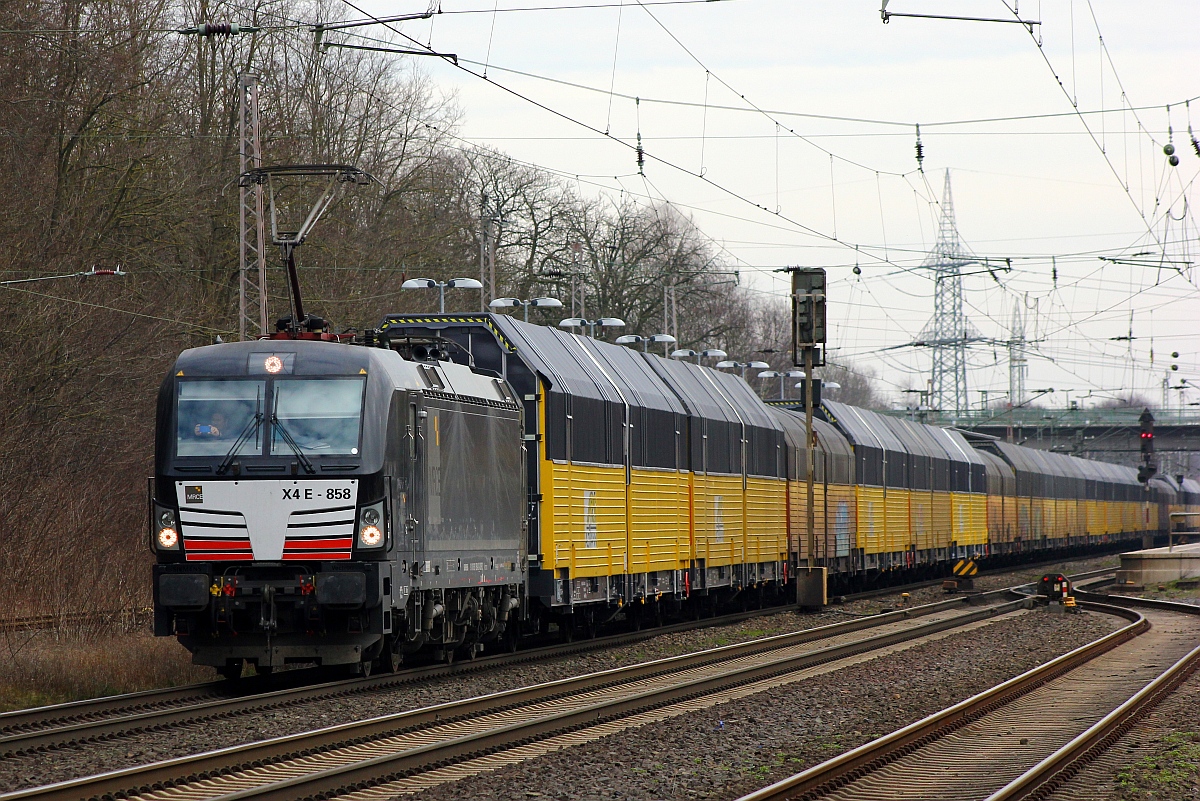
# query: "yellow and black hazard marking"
(416, 319)
(965, 567)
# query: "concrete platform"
(1158, 565)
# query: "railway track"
(473, 734)
(1025, 736)
(41, 728)
(126, 618)
(47, 728)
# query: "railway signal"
(1148, 468)
(1147, 421)
(808, 335)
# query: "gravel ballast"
(36, 769)
(737, 747)
(1158, 759)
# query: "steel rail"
(1046, 776)
(881, 751)
(382, 769)
(43, 727)
(148, 710)
(49, 727)
(562, 716)
(126, 617)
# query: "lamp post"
(782, 375)
(633, 339)
(540, 303)
(603, 322)
(685, 353)
(441, 286)
(743, 366)
(707, 353)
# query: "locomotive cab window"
(322, 416)
(211, 415)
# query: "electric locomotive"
(327, 503)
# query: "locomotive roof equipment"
(299, 324)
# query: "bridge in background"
(1111, 435)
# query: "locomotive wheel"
(364, 667)
(512, 637)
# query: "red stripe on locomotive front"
(302, 556)
(318, 545)
(220, 557)
(217, 545)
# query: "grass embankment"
(1174, 773)
(54, 666)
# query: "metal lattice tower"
(252, 257)
(948, 332)
(1018, 363)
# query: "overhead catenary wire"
(885, 250)
(648, 154)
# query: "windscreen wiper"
(287, 437)
(250, 430)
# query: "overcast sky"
(1045, 192)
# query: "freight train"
(444, 482)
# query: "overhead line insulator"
(209, 29)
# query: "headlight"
(372, 531)
(167, 537)
(370, 536)
(166, 530)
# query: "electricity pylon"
(948, 332)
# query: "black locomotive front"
(271, 510)
(315, 502)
